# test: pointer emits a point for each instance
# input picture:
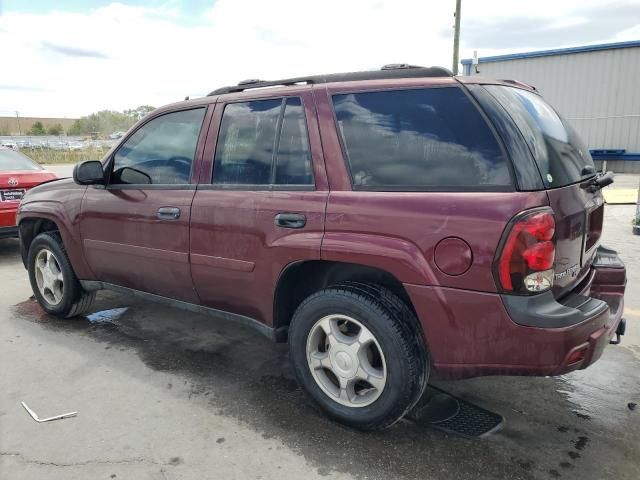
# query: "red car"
(18, 173)
(390, 225)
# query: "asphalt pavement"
(165, 394)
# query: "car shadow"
(9, 249)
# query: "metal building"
(595, 87)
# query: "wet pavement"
(166, 394)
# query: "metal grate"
(454, 415)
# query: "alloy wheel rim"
(49, 277)
(346, 361)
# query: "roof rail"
(396, 70)
(398, 66)
(518, 83)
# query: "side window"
(263, 142)
(293, 162)
(161, 151)
(418, 139)
(246, 142)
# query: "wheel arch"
(298, 280)
(33, 223)
(29, 228)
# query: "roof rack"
(518, 83)
(395, 70)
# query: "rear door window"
(246, 142)
(263, 143)
(560, 154)
(293, 160)
(421, 139)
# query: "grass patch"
(50, 156)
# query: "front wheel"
(358, 353)
(53, 280)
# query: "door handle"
(168, 213)
(290, 220)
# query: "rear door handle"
(168, 213)
(290, 220)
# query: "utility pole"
(636, 220)
(18, 118)
(456, 37)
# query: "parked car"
(9, 144)
(18, 173)
(96, 145)
(57, 145)
(392, 226)
(75, 146)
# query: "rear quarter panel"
(398, 231)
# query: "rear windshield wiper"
(598, 182)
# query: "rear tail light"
(525, 262)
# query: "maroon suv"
(390, 225)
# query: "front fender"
(66, 217)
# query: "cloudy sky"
(73, 57)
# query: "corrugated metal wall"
(598, 92)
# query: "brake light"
(525, 263)
(540, 256)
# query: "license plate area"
(594, 227)
(13, 195)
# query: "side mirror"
(133, 176)
(88, 173)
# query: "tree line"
(103, 122)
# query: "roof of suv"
(398, 74)
(393, 71)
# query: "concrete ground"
(164, 394)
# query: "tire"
(60, 293)
(403, 358)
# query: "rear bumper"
(474, 333)
(8, 212)
(8, 228)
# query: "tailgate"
(579, 216)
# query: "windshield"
(12, 160)
(561, 155)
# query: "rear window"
(560, 154)
(12, 160)
(421, 139)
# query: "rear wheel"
(358, 353)
(53, 281)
